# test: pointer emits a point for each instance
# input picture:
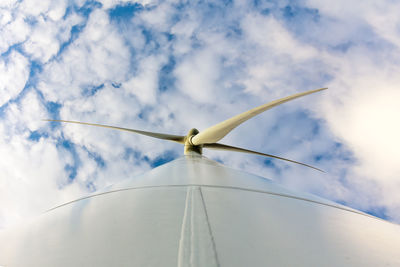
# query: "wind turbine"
(195, 141)
(196, 212)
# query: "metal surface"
(196, 212)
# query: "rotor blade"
(215, 133)
(238, 149)
(175, 138)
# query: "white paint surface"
(196, 212)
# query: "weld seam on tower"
(209, 227)
(225, 187)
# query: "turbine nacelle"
(195, 141)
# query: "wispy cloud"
(169, 66)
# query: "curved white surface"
(196, 212)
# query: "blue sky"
(168, 66)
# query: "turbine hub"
(189, 146)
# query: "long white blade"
(175, 138)
(238, 149)
(215, 133)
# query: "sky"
(169, 66)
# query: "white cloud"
(144, 85)
(42, 43)
(14, 32)
(197, 75)
(385, 21)
(363, 113)
(35, 8)
(14, 73)
(184, 31)
(30, 169)
(361, 107)
(112, 3)
(99, 55)
(5, 17)
(275, 57)
(57, 10)
(8, 3)
(159, 17)
(268, 33)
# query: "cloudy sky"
(168, 66)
